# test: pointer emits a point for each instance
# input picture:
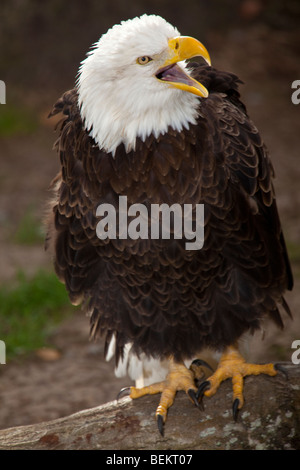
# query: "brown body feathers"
(165, 299)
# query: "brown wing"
(245, 198)
(245, 167)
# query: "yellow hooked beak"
(182, 48)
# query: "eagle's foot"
(233, 365)
(178, 378)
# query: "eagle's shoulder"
(219, 81)
(66, 104)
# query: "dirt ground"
(39, 388)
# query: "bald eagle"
(145, 124)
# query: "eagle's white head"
(135, 82)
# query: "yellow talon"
(178, 378)
(149, 390)
(233, 365)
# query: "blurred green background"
(41, 47)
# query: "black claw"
(160, 424)
(192, 395)
(235, 409)
(123, 393)
(282, 369)
(200, 362)
(200, 392)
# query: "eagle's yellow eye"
(144, 60)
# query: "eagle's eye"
(143, 60)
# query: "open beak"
(182, 48)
